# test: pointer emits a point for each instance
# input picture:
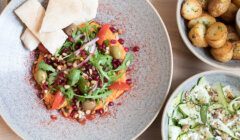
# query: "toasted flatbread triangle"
(62, 13)
(31, 13)
(29, 40)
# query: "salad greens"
(44, 66)
(205, 112)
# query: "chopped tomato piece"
(120, 86)
(105, 34)
(43, 49)
(58, 100)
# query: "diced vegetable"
(104, 34)
(120, 86)
(58, 100)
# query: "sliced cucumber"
(177, 115)
(178, 99)
(176, 102)
(202, 81)
(188, 136)
(199, 95)
(190, 110)
(203, 131)
(234, 105)
(215, 106)
(174, 132)
(218, 124)
(203, 113)
(189, 121)
(221, 98)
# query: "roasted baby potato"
(218, 7)
(191, 9)
(236, 2)
(236, 50)
(197, 35)
(216, 35)
(223, 54)
(205, 19)
(204, 3)
(232, 37)
(230, 15)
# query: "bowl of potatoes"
(209, 28)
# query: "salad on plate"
(80, 65)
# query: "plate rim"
(171, 71)
(17, 132)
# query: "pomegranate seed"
(71, 39)
(129, 81)
(100, 111)
(40, 95)
(83, 53)
(74, 107)
(96, 77)
(136, 49)
(53, 117)
(126, 49)
(116, 63)
(111, 104)
(121, 41)
(113, 29)
(113, 41)
(102, 47)
(74, 100)
(77, 47)
(44, 86)
(73, 114)
(65, 50)
(48, 61)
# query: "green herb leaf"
(44, 66)
(67, 44)
(74, 76)
(52, 78)
(69, 93)
(83, 85)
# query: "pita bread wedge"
(31, 13)
(29, 40)
(62, 13)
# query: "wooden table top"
(181, 71)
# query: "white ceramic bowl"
(202, 54)
(226, 78)
(26, 115)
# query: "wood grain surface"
(185, 65)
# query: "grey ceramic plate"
(202, 54)
(25, 114)
(226, 78)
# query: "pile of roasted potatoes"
(212, 23)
